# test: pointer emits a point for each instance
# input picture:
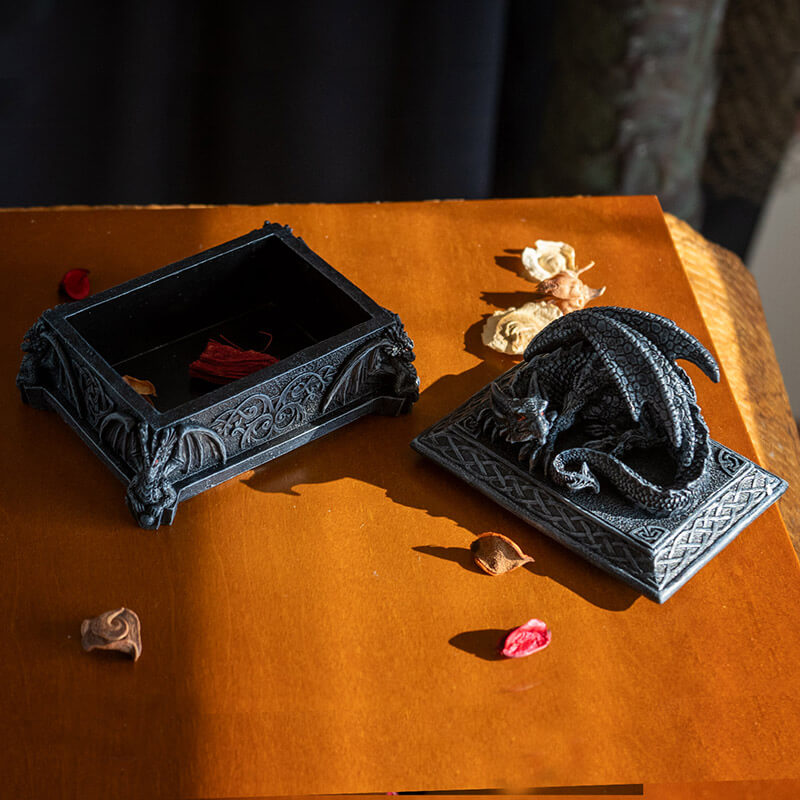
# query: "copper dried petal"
(113, 630)
(496, 554)
(566, 291)
(142, 387)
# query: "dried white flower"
(547, 259)
(511, 331)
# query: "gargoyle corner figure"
(158, 458)
(598, 386)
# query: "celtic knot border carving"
(721, 512)
(730, 463)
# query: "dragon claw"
(583, 479)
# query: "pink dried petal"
(75, 284)
(527, 639)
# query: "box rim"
(59, 318)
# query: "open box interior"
(155, 331)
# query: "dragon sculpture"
(597, 385)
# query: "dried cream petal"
(489, 331)
(547, 259)
(530, 263)
(511, 331)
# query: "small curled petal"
(143, 387)
(529, 638)
(75, 284)
(113, 630)
(566, 291)
(496, 554)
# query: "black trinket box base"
(341, 356)
(655, 555)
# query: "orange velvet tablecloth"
(315, 626)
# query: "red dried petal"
(75, 284)
(223, 363)
(527, 639)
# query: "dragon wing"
(122, 434)
(192, 446)
(674, 342)
(638, 351)
(356, 369)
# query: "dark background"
(256, 102)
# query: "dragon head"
(150, 492)
(521, 419)
(148, 497)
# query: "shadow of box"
(341, 356)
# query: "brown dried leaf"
(566, 291)
(496, 554)
(142, 387)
